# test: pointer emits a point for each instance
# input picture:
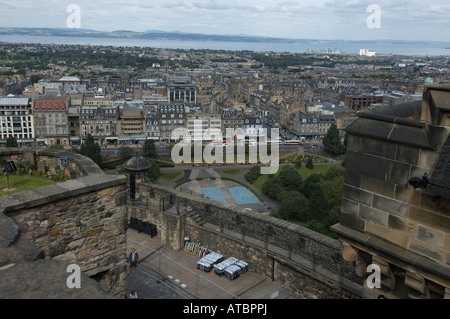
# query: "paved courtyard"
(164, 273)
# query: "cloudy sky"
(298, 19)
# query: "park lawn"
(303, 171)
(171, 175)
(20, 183)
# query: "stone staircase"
(196, 217)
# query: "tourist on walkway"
(133, 259)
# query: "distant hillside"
(154, 35)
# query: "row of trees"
(315, 201)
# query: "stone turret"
(136, 170)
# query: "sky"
(414, 20)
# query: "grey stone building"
(170, 116)
(182, 90)
(312, 126)
(100, 122)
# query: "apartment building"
(131, 125)
(232, 119)
(100, 122)
(312, 126)
(171, 116)
(17, 119)
(198, 123)
(51, 120)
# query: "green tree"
(91, 149)
(309, 163)
(252, 175)
(317, 205)
(334, 171)
(272, 189)
(332, 190)
(289, 178)
(332, 141)
(11, 142)
(154, 172)
(310, 184)
(149, 149)
(293, 206)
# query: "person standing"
(133, 294)
(133, 258)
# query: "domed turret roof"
(137, 164)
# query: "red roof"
(51, 103)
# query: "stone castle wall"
(277, 249)
(82, 221)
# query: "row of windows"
(9, 118)
(87, 127)
(49, 108)
(170, 122)
(172, 115)
(50, 122)
(132, 129)
(17, 136)
(13, 112)
(43, 132)
(96, 122)
(86, 132)
(111, 111)
(131, 124)
(14, 107)
(17, 130)
(24, 124)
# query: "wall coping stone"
(19, 255)
(310, 234)
(50, 193)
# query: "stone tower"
(396, 197)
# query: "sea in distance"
(410, 48)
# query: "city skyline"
(320, 19)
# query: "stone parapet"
(81, 221)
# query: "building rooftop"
(14, 101)
(69, 79)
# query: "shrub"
(309, 163)
(252, 175)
